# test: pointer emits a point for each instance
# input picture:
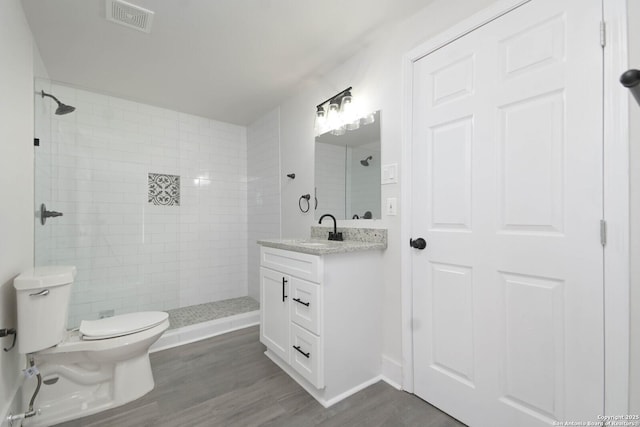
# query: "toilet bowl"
(102, 364)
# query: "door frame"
(615, 197)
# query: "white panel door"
(507, 192)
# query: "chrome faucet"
(335, 235)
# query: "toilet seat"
(123, 324)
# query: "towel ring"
(305, 197)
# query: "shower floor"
(197, 322)
(187, 316)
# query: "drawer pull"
(301, 302)
(284, 282)
(297, 347)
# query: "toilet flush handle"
(6, 333)
(42, 293)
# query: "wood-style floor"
(227, 381)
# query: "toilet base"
(84, 388)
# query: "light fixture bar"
(336, 96)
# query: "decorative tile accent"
(164, 189)
(193, 314)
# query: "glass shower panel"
(120, 203)
(43, 173)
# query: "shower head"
(365, 162)
(62, 108)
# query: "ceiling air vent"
(129, 15)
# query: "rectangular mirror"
(347, 172)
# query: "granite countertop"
(355, 240)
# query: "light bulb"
(340, 130)
(321, 121)
(333, 117)
(353, 125)
(368, 119)
(346, 106)
(348, 112)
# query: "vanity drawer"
(306, 355)
(305, 304)
(301, 265)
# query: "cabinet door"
(274, 312)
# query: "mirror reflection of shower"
(62, 108)
(365, 162)
(348, 171)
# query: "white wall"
(133, 255)
(376, 77)
(634, 120)
(16, 176)
(263, 190)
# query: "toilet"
(102, 364)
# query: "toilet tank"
(43, 304)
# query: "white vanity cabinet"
(321, 318)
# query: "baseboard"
(353, 390)
(297, 378)
(200, 331)
(314, 392)
(14, 406)
(392, 372)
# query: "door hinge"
(603, 33)
(603, 232)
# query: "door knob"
(419, 243)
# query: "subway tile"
(131, 248)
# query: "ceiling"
(230, 60)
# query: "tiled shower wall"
(364, 181)
(133, 255)
(330, 176)
(263, 202)
(340, 176)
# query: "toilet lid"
(124, 324)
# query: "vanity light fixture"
(334, 120)
(351, 122)
(337, 114)
(321, 119)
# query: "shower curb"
(200, 331)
